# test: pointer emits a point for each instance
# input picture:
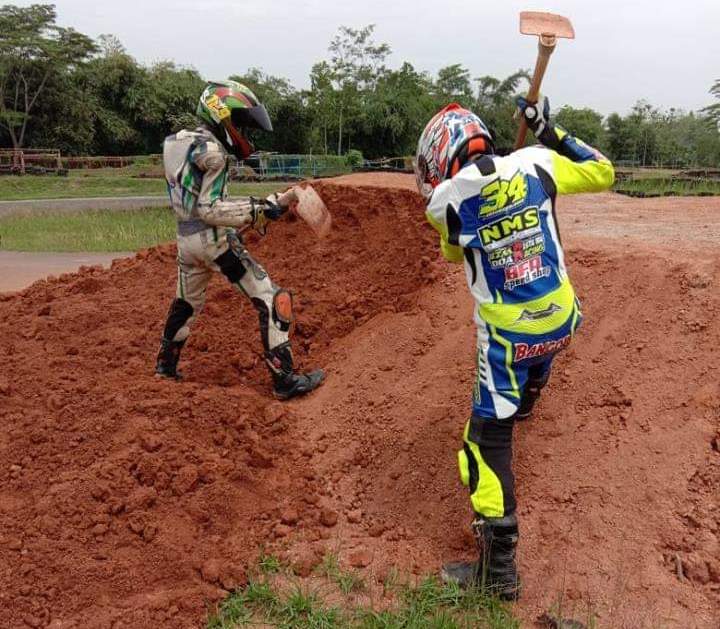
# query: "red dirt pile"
(131, 502)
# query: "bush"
(354, 158)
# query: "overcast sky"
(662, 51)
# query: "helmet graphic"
(230, 108)
(451, 137)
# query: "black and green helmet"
(230, 108)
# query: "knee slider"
(283, 309)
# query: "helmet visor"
(421, 177)
(251, 118)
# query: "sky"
(665, 52)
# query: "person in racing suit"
(496, 215)
(208, 240)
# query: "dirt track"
(131, 501)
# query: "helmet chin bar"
(242, 147)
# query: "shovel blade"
(312, 209)
(548, 24)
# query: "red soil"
(131, 502)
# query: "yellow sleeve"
(578, 167)
(590, 176)
(452, 253)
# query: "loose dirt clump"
(131, 502)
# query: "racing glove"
(264, 211)
(537, 116)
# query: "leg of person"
(193, 277)
(485, 464)
(274, 307)
(538, 376)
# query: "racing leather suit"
(497, 216)
(196, 170)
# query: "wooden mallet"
(548, 27)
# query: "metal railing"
(23, 161)
(274, 166)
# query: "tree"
(453, 85)
(321, 101)
(586, 124)
(495, 104)
(395, 113)
(713, 111)
(356, 64)
(33, 50)
(287, 109)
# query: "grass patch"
(660, 187)
(278, 599)
(95, 230)
(104, 182)
(347, 581)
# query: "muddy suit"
(196, 170)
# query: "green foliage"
(36, 57)
(347, 581)
(93, 97)
(100, 230)
(713, 111)
(293, 604)
(269, 564)
(354, 158)
(287, 109)
(495, 104)
(586, 124)
(668, 186)
(648, 136)
(453, 85)
(105, 182)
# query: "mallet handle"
(546, 46)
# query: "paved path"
(74, 205)
(20, 269)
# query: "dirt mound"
(129, 502)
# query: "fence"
(272, 166)
(31, 161)
(387, 164)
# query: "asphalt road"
(73, 205)
(19, 269)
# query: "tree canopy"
(61, 89)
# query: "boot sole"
(167, 376)
(292, 394)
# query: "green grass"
(347, 581)
(278, 599)
(96, 230)
(660, 186)
(104, 182)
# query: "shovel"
(307, 204)
(548, 27)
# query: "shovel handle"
(546, 46)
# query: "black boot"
(496, 571)
(168, 358)
(530, 395)
(287, 383)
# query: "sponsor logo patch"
(517, 251)
(508, 229)
(525, 272)
(536, 315)
(524, 351)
